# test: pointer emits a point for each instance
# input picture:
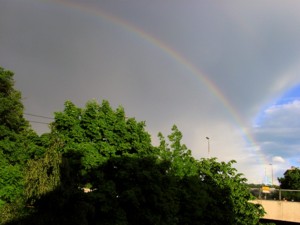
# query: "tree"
(227, 194)
(92, 135)
(182, 161)
(16, 140)
(11, 107)
(139, 191)
(291, 179)
(18, 144)
(230, 194)
(194, 201)
(43, 174)
(132, 182)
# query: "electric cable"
(34, 115)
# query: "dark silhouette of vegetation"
(291, 180)
(131, 190)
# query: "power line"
(32, 121)
(45, 117)
(39, 116)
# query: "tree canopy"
(17, 140)
(92, 135)
(129, 180)
(11, 107)
(291, 179)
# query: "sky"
(227, 70)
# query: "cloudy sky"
(227, 70)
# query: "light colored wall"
(281, 210)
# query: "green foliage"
(11, 107)
(125, 190)
(140, 191)
(183, 163)
(14, 211)
(43, 174)
(17, 142)
(132, 182)
(193, 200)
(97, 132)
(291, 179)
(11, 183)
(230, 194)
(227, 191)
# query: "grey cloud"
(59, 52)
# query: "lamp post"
(271, 172)
(208, 147)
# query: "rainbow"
(175, 55)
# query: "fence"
(267, 193)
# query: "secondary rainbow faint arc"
(167, 50)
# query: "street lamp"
(271, 171)
(208, 149)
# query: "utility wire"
(45, 117)
(32, 121)
(39, 116)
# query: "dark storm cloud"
(235, 43)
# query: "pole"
(208, 147)
(272, 172)
(265, 177)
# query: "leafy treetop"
(97, 132)
(17, 140)
(291, 179)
